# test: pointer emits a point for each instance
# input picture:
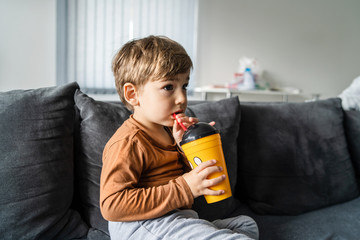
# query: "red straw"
(181, 124)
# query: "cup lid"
(198, 130)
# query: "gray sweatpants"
(185, 224)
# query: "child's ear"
(131, 94)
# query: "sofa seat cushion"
(36, 164)
(293, 157)
(340, 221)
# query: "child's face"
(159, 99)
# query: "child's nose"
(180, 98)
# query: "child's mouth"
(175, 113)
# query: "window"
(89, 32)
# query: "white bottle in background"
(249, 81)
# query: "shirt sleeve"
(121, 200)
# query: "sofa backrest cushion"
(226, 114)
(98, 122)
(293, 157)
(36, 164)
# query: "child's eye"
(185, 86)
(169, 87)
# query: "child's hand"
(198, 182)
(178, 132)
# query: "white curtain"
(91, 31)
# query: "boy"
(146, 187)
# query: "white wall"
(27, 44)
(313, 45)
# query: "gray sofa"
(293, 167)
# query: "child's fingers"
(208, 191)
(209, 170)
(198, 181)
(176, 126)
(212, 182)
(204, 165)
(188, 121)
(193, 120)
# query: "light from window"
(89, 32)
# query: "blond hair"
(150, 58)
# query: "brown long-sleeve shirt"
(140, 178)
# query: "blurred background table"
(284, 94)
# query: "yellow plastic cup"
(201, 143)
